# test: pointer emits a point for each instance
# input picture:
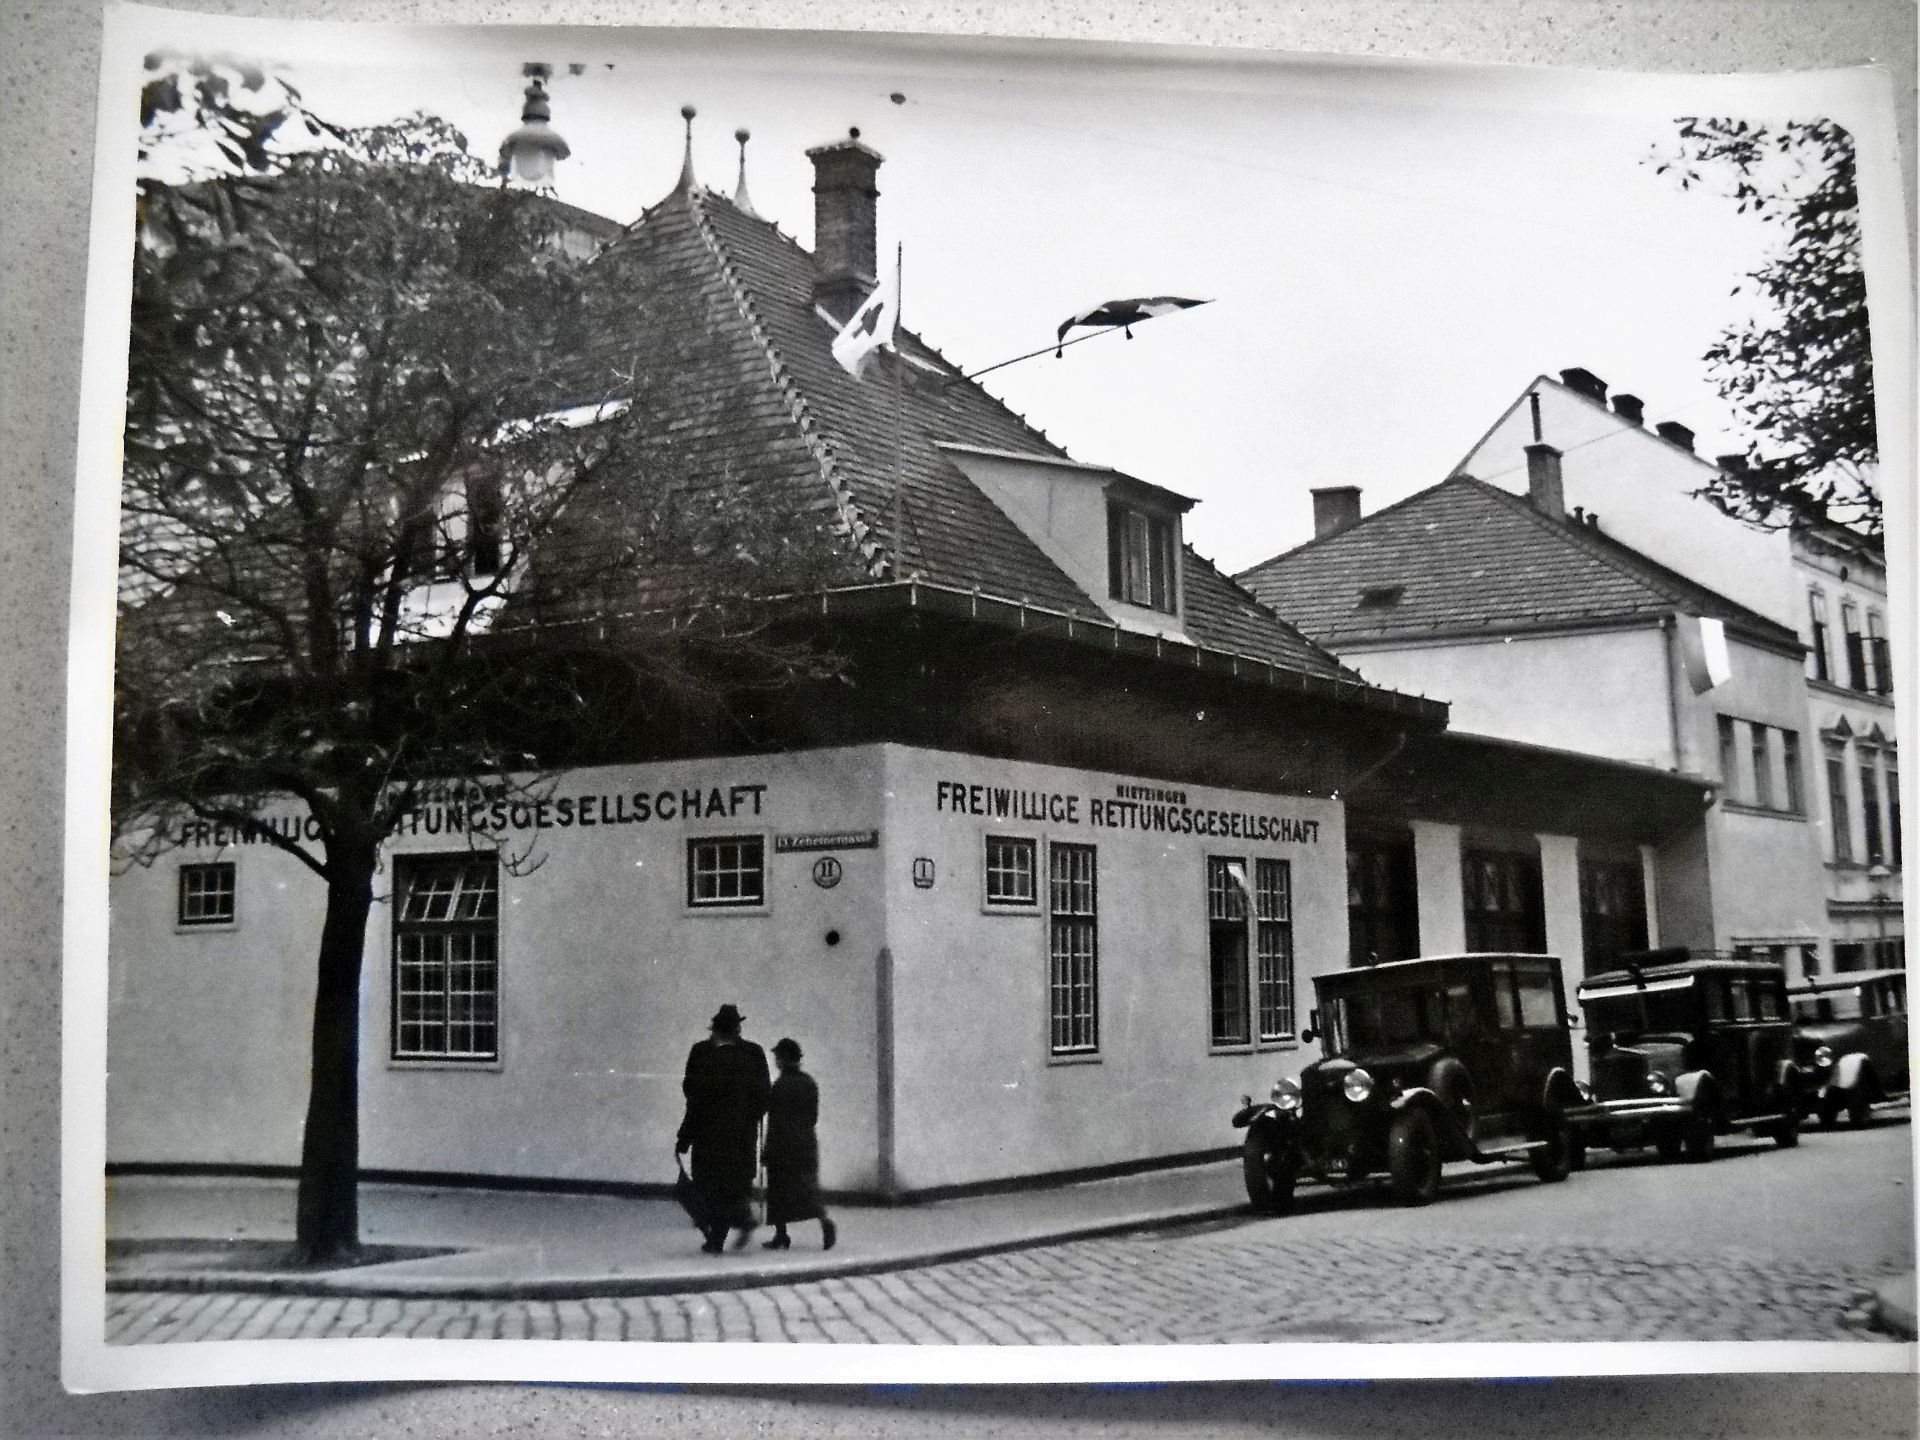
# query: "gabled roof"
(819, 444)
(1464, 558)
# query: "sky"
(1392, 253)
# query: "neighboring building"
(1641, 484)
(1040, 878)
(1538, 627)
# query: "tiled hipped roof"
(1466, 557)
(817, 443)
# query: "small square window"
(206, 894)
(726, 872)
(1010, 873)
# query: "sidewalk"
(519, 1245)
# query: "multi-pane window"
(1141, 556)
(206, 894)
(1817, 654)
(1762, 768)
(726, 872)
(1839, 817)
(1613, 911)
(1790, 758)
(1856, 645)
(1249, 918)
(1501, 894)
(1879, 655)
(1870, 806)
(1073, 980)
(1273, 947)
(460, 531)
(1729, 757)
(446, 958)
(1383, 914)
(1893, 805)
(1011, 882)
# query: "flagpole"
(899, 498)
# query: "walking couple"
(727, 1095)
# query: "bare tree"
(385, 529)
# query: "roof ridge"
(1345, 530)
(1608, 550)
(852, 524)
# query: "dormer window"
(1141, 557)
(465, 536)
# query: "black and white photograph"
(818, 706)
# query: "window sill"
(223, 927)
(1024, 912)
(1847, 692)
(425, 1062)
(1076, 1057)
(1765, 812)
(727, 912)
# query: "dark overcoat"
(726, 1088)
(793, 1149)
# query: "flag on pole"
(1126, 313)
(1704, 653)
(871, 328)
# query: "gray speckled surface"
(49, 53)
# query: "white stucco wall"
(979, 1096)
(1601, 693)
(606, 978)
(1643, 489)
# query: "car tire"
(1859, 1109)
(1671, 1143)
(1554, 1162)
(1576, 1153)
(1696, 1138)
(1271, 1172)
(1829, 1112)
(1786, 1134)
(1413, 1158)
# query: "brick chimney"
(1630, 407)
(1335, 508)
(1544, 488)
(844, 243)
(1586, 382)
(1675, 433)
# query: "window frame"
(1796, 796)
(1073, 921)
(1818, 650)
(1159, 557)
(1839, 808)
(693, 905)
(1761, 751)
(401, 925)
(989, 903)
(1867, 760)
(227, 870)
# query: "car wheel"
(1859, 1109)
(1787, 1133)
(1696, 1138)
(1670, 1142)
(1554, 1162)
(1413, 1158)
(1576, 1154)
(1270, 1171)
(1829, 1112)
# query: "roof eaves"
(852, 524)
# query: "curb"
(1891, 1309)
(426, 1287)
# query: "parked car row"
(1470, 1057)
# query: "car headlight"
(1357, 1086)
(1285, 1095)
(1823, 1057)
(1659, 1084)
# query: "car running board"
(1508, 1150)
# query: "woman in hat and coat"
(726, 1089)
(792, 1152)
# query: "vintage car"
(1684, 1048)
(1850, 1037)
(1448, 1057)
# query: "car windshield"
(1616, 1010)
(1381, 1017)
(1829, 1005)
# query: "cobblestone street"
(1241, 1282)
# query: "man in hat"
(726, 1087)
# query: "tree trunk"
(327, 1221)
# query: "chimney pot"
(1630, 407)
(1586, 382)
(1675, 433)
(845, 244)
(1335, 508)
(1544, 486)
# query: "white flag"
(871, 328)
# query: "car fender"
(1700, 1090)
(1851, 1072)
(1561, 1092)
(1267, 1120)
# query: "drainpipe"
(1669, 631)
